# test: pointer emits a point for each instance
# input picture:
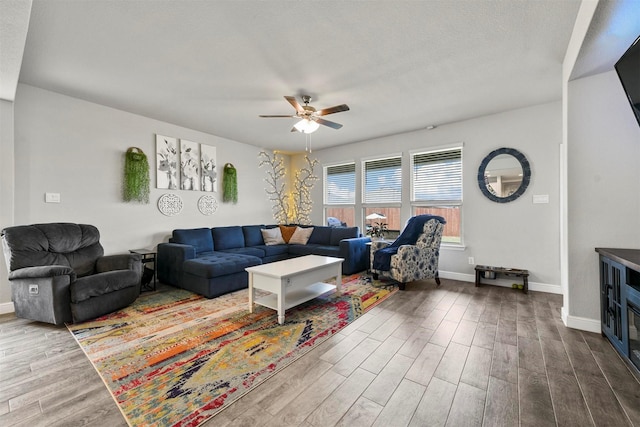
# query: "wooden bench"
(511, 272)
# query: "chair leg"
(375, 276)
(437, 279)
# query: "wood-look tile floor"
(455, 355)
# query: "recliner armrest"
(412, 248)
(99, 284)
(43, 272)
(379, 244)
(119, 262)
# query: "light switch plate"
(52, 197)
(540, 198)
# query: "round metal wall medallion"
(208, 205)
(170, 204)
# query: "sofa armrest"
(171, 256)
(43, 272)
(119, 262)
(355, 253)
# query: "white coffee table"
(293, 281)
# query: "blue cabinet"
(620, 300)
(612, 297)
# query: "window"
(340, 193)
(382, 191)
(436, 188)
(382, 181)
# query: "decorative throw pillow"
(272, 236)
(287, 231)
(301, 236)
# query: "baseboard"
(7, 307)
(582, 323)
(506, 283)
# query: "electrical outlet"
(33, 290)
(471, 260)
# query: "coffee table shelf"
(296, 296)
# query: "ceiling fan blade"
(288, 116)
(331, 124)
(331, 110)
(292, 101)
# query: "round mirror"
(504, 175)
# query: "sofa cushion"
(272, 236)
(252, 235)
(321, 235)
(301, 236)
(253, 251)
(310, 249)
(219, 264)
(228, 237)
(273, 250)
(340, 233)
(199, 238)
(287, 231)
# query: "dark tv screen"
(628, 69)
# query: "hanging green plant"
(136, 176)
(229, 184)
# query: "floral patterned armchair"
(413, 262)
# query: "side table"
(368, 244)
(494, 271)
(148, 273)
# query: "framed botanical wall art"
(208, 168)
(189, 165)
(166, 162)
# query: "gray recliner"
(58, 273)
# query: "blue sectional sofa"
(212, 261)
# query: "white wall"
(6, 192)
(603, 181)
(519, 234)
(76, 148)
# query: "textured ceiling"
(215, 66)
(14, 22)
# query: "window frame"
(364, 204)
(325, 193)
(325, 174)
(439, 204)
(363, 177)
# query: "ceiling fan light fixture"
(306, 126)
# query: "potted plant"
(377, 230)
(136, 176)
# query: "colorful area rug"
(174, 358)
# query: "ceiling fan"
(310, 117)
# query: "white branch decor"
(293, 208)
(302, 185)
(276, 188)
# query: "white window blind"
(340, 184)
(383, 181)
(437, 176)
